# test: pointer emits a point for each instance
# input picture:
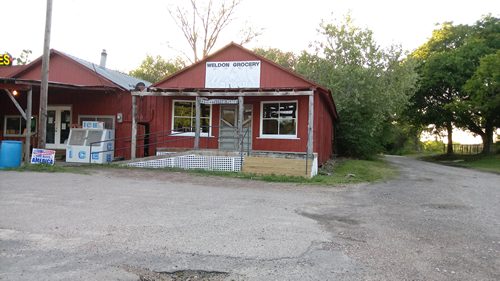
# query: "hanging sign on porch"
(232, 74)
(43, 156)
(218, 101)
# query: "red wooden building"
(78, 91)
(235, 99)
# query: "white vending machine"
(90, 144)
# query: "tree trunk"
(488, 138)
(449, 148)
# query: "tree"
(202, 25)
(371, 86)
(447, 61)
(483, 103)
(285, 59)
(23, 58)
(440, 80)
(154, 69)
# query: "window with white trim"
(14, 125)
(279, 119)
(184, 117)
(109, 120)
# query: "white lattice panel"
(213, 163)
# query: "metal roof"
(123, 80)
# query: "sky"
(131, 29)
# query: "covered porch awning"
(204, 95)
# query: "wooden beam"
(197, 124)
(224, 94)
(133, 142)
(310, 127)
(241, 110)
(18, 106)
(27, 142)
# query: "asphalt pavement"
(432, 223)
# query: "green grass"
(363, 171)
(49, 169)
(488, 163)
(343, 171)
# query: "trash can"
(10, 154)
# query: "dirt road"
(433, 223)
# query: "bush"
(433, 146)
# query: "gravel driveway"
(433, 223)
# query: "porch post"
(310, 126)
(133, 142)
(197, 124)
(27, 142)
(241, 110)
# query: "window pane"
(228, 115)
(183, 108)
(270, 110)
(270, 127)
(287, 127)
(13, 125)
(33, 124)
(288, 110)
(108, 122)
(205, 111)
(182, 124)
(204, 123)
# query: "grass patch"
(44, 168)
(356, 171)
(343, 171)
(340, 171)
(488, 163)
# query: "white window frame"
(21, 118)
(278, 136)
(184, 134)
(97, 116)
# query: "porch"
(248, 122)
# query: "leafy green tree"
(446, 62)
(440, 81)
(154, 69)
(285, 59)
(370, 86)
(482, 107)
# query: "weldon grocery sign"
(232, 74)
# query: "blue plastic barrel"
(10, 154)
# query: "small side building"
(78, 91)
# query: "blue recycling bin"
(10, 154)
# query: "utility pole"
(44, 87)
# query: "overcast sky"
(130, 29)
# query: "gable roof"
(8, 71)
(299, 79)
(273, 77)
(125, 81)
(96, 76)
